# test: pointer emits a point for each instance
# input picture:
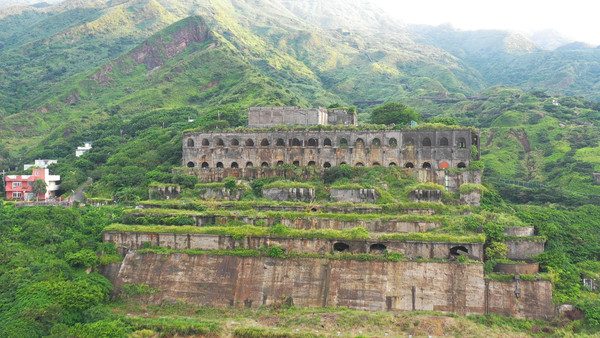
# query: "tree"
(394, 113)
(39, 187)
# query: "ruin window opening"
(326, 165)
(220, 165)
(462, 165)
(461, 143)
(296, 143)
(409, 142)
(341, 247)
(443, 141)
(191, 164)
(204, 165)
(409, 165)
(343, 142)
(444, 165)
(264, 142)
(359, 164)
(235, 142)
(312, 142)
(393, 142)
(296, 163)
(190, 142)
(474, 140)
(376, 142)
(249, 143)
(426, 142)
(343, 163)
(426, 165)
(205, 142)
(280, 142)
(458, 250)
(392, 164)
(220, 142)
(311, 163)
(279, 163)
(249, 164)
(327, 142)
(264, 164)
(359, 143)
(376, 164)
(234, 165)
(377, 248)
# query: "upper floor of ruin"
(262, 117)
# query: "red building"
(21, 186)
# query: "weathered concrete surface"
(473, 198)
(260, 117)
(512, 268)
(412, 249)
(354, 195)
(523, 249)
(220, 194)
(290, 194)
(425, 196)
(519, 231)
(315, 282)
(164, 192)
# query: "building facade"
(21, 186)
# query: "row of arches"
(249, 164)
(380, 248)
(327, 142)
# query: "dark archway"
(264, 164)
(341, 247)
(326, 165)
(234, 165)
(376, 164)
(377, 248)
(462, 165)
(393, 142)
(204, 165)
(458, 250)
(426, 165)
(359, 142)
(205, 142)
(461, 143)
(376, 142)
(220, 142)
(296, 143)
(392, 164)
(409, 142)
(249, 164)
(312, 142)
(264, 142)
(426, 142)
(190, 142)
(359, 164)
(220, 165)
(409, 165)
(343, 142)
(311, 163)
(279, 163)
(191, 164)
(249, 143)
(443, 141)
(296, 163)
(235, 142)
(343, 163)
(280, 142)
(327, 142)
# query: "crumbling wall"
(354, 195)
(220, 194)
(523, 249)
(290, 194)
(425, 195)
(164, 192)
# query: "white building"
(40, 164)
(80, 150)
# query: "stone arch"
(190, 142)
(458, 250)
(312, 142)
(279, 163)
(191, 164)
(326, 165)
(220, 142)
(296, 163)
(249, 164)
(376, 142)
(392, 164)
(341, 247)
(426, 142)
(311, 163)
(264, 142)
(343, 163)
(205, 142)
(327, 142)
(296, 143)
(443, 141)
(249, 143)
(426, 165)
(359, 142)
(409, 165)
(359, 164)
(234, 165)
(204, 165)
(409, 142)
(377, 248)
(280, 142)
(376, 164)
(393, 142)
(462, 165)
(444, 165)
(264, 164)
(461, 143)
(343, 142)
(220, 165)
(235, 142)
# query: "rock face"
(164, 192)
(290, 194)
(316, 282)
(473, 198)
(523, 249)
(354, 195)
(425, 196)
(220, 194)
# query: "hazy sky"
(576, 19)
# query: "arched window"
(443, 141)
(409, 165)
(343, 142)
(426, 142)
(359, 164)
(296, 163)
(327, 142)
(461, 143)
(234, 165)
(426, 165)
(462, 165)
(205, 142)
(235, 142)
(359, 142)
(312, 142)
(392, 164)
(339, 246)
(376, 142)
(249, 143)
(264, 142)
(444, 165)
(204, 165)
(279, 163)
(264, 164)
(377, 248)
(326, 165)
(249, 164)
(376, 164)
(311, 163)
(191, 164)
(393, 142)
(474, 140)
(280, 142)
(343, 163)
(220, 165)
(296, 143)
(190, 142)
(409, 142)
(220, 142)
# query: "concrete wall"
(261, 117)
(411, 249)
(220, 194)
(425, 196)
(311, 282)
(354, 195)
(290, 194)
(519, 231)
(512, 268)
(523, 249)
(164, 192)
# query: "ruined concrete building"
(412, 148)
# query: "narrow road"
(78, 194)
